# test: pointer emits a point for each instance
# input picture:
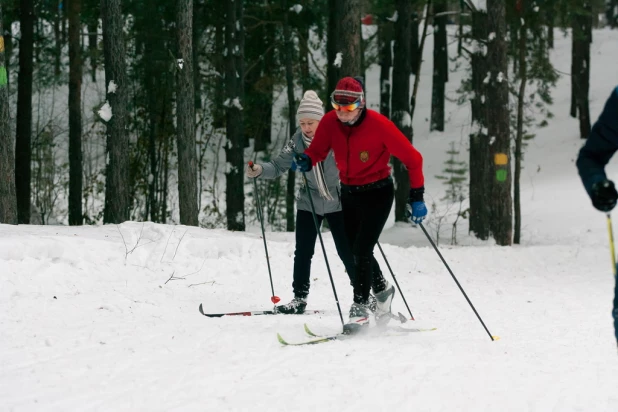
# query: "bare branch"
(168, 241)
(178, 245)
(173, 278)
(125, 243)
(212, 283)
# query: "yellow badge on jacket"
(364, 156)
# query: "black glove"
(303, 162)
(604, 195)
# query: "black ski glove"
(604, 195)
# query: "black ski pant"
(366, 209)
(306, 237)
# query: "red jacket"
(362, 152)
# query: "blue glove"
(417, 205)
(303, 162)
(293, 167)
(419, 211)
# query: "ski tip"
(281, 340)
(201, 309)
(308, 331)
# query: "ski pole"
(317, 228)
(274, 299)
(611, 243)
(396, 283)
(457, 282)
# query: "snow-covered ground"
(105, 318)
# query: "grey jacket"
(283, 163)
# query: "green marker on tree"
(501, 175)
(3, 77)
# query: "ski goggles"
(348, 106)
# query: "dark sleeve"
(600, 145)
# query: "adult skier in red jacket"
(363, 141)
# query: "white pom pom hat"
(310, 107)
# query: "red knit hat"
(348, 90)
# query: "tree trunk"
(289, 78)
(419, 61)
(93, 48)
(197, 78)
(460, 29)
(157, 92)
(240, 62)
(401, 102)
(117, 183)
(8, 53)
(550, 23)
(303, 44)
(268, 83)
(575, 69)
(414, 42)
(611, 13)
(480, 161)
(8, 199)
(23, 150)
(185, 116)
(259, 82)
(58, 41)
(333, 47)
(385, 37)
(523, 78)
(75, 115)
(351, 38)
(235, 199)
(498, 125)
(440, 67)
(582, 37)
(218, 112)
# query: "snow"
(180, 63)
(297, 8)
(394, 17)
(406, 120)
(105, 112)
(479, 4)
(338, 60)
(105, 317)
(112, 87)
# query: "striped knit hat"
(310, 107)
(348, 90)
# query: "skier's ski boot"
(295, 307)
(359, 318)
(383, 307)
(373, 303)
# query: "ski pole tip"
(275, 299)
(494, 337)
